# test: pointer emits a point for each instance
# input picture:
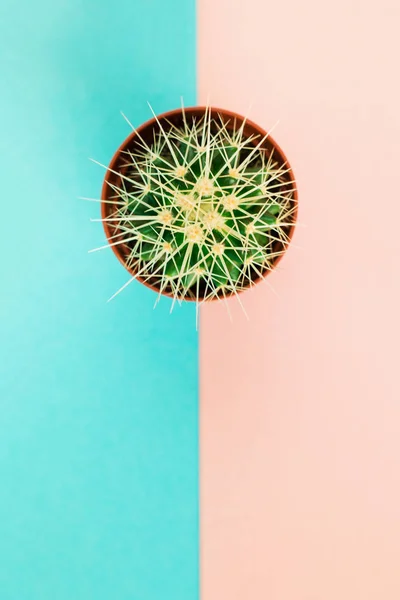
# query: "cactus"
(202, 210)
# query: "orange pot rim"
(151, 124)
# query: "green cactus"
(203, 210)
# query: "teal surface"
(98, 409)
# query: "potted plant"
(199, 204)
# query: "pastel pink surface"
(300, 405)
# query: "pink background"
(300, 406)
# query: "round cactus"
(202, 210)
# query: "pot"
(145, 132)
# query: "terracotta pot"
(233, 121)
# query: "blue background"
(98, 413)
